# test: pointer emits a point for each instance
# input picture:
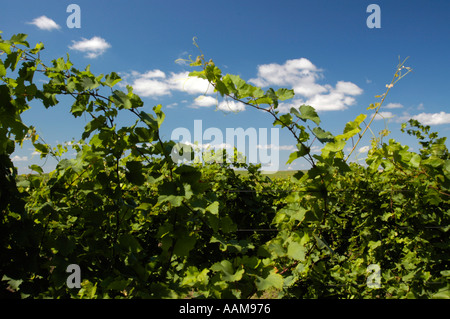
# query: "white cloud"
(231, 106)
(433, 118)
(152, 83)
(332, 101)
(348, 88)
(308, 88)
(301, 75)
(290, 73)
(45, 23)
(204, 101)
(172, 105)
(192, 85)
(94, 47)
(152, 74)
(393, 106)
(148, 87)
(383, 115)
(155, 83)
(364, 149)
(286, 107)
(18, 158)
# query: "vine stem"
(394, 80)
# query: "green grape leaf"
(322, 136)
(5, 47)
(303, 150)
(284, 94)
(335, 146)
(270, 93)
(352, 128)
(273, 280)
(296, 251)
(307, 113)
(184, 245)
(134, 174)
(2, 69)
(149, 120)
(121, 100)
(175, 201)
(88, 84)
(129, 243)
(415, 160)
(36, 168)
(227, 272)
(213, 208)
(19, 39)
(112, 79)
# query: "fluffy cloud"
(383, 115)
(18, 158)
(364, 149)
(231, 106)
(45, 23)
(301, 75)
(433, 118)
(332, 101)
(93, 47)
(287, 74)
(147, 87)
(348, 88)
(393, 106)
(150, 83)
(150, 74)
(155, 83)
(192, 85)
(204, 101)
(426, 118)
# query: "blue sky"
(324, 50)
